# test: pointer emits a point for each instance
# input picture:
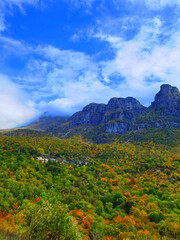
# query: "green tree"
(52, 221)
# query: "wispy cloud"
(145, 56)
(19, 3)
(72, 78)
(158, 4)
(80, 3)
(142, 45)
(7, 7)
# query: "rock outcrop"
(167, 100)
(117, 108)
(123, 114)
(91, 114)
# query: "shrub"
(52, 221)
(156, 217)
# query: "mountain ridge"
(118, 116)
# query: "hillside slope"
(88, 191)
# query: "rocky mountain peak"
(128, 103)
(94, 107)
(167, 99)
(117, 108)
(168, 91)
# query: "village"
(43, 159)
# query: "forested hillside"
(70, 189)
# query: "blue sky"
(59, 55)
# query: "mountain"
(164, 111)
(117, 108)
(120, 110)
(167, 100)
(45, 122)
(118, 116)
(40, 127)
(124, 114)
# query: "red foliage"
(138, 222)
(76, 210)
(37, 199)
(134, 180)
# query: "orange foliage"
(128, 194)
(107, 238)
(134, 180)
(103, 179)
(128, 219)
(143, 232)
(84, 219)
(7, 222)
(106, 221)
(112, 187)
(15, 206)
(86, 237)
(117, 219)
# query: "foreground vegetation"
(88, 191)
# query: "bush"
(156, 217)
(53, 222)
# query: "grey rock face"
(117, 127)
(123, 114)
(167, 100)
(91, 114)
(128, 103)
(117, 108)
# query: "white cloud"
(145, 57)
(76, 96)
(154, 4)
(14, 109)
(14, 46)
(73, 77)
(158, 4)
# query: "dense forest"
(72, 189)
